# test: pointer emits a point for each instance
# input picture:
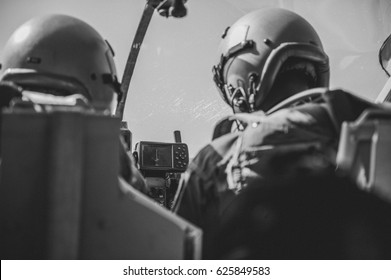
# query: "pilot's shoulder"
(214, 151)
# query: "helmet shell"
(62, 52)
(276, 35)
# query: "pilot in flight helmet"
(62, 55)
(257, 48)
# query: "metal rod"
(133, 54)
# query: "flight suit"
(227, 165)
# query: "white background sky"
(172, 84)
